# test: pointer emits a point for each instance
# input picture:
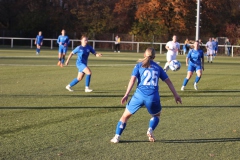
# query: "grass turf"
(40, 119)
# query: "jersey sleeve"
(67, 40)
(135, 71)
(75, 50)
(58, 40)
(189, 53)
(167, 45)
(163, 75)
(178, 46)
(92, 50)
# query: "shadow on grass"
(112, 107)
(186, 140)
(210, 91)
(201, 140)
(80, 107)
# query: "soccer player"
(38, 42)
(210, 46)
(63, 42)
(147, 74)
(228, 45)
(195, 63)
(215, 42)
(186, 46)
(216, 46)
(82, 53)
(173, 47)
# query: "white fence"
(102, 41)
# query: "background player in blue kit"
(216, 46)
(147, 74)
(38, 42)
(63, 42)
(82, 52)
(195, 63)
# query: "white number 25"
(150, 76)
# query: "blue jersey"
(216, 45)
(63, 39)
(148, 77)
(83, 53)
(39, 39)
(195, 57)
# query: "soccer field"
(40, 119)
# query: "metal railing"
(102, 41)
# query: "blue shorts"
(62, 49)
(81, 67)
(152, 103)
(195, 68)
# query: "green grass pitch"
(40, 119)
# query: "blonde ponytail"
(148, 55)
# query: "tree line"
(144, 18)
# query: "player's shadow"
(58, 108)
(212, 140)
(107, 107)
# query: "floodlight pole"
(198, 20)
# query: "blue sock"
(153, 122)
(63, 59)
(74, 82)
(197, 79)
(88, 78)
(59, 59)
(185, 82)
(38, 50)
(120, 127)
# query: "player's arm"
(178, 47)
(167, 47)
(69, 57)
(67, 42)
(98, 54)
(95, 53)
(129, 88)
(187, 59)
(206, 46)
(58, 40)
(202, 59)
(171, 87)
(35, 41)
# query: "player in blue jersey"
(216, 46)
(38, 42)
(195, 63)
(82, 53)
(147, 74)
(63, 42)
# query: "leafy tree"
(94, 16)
